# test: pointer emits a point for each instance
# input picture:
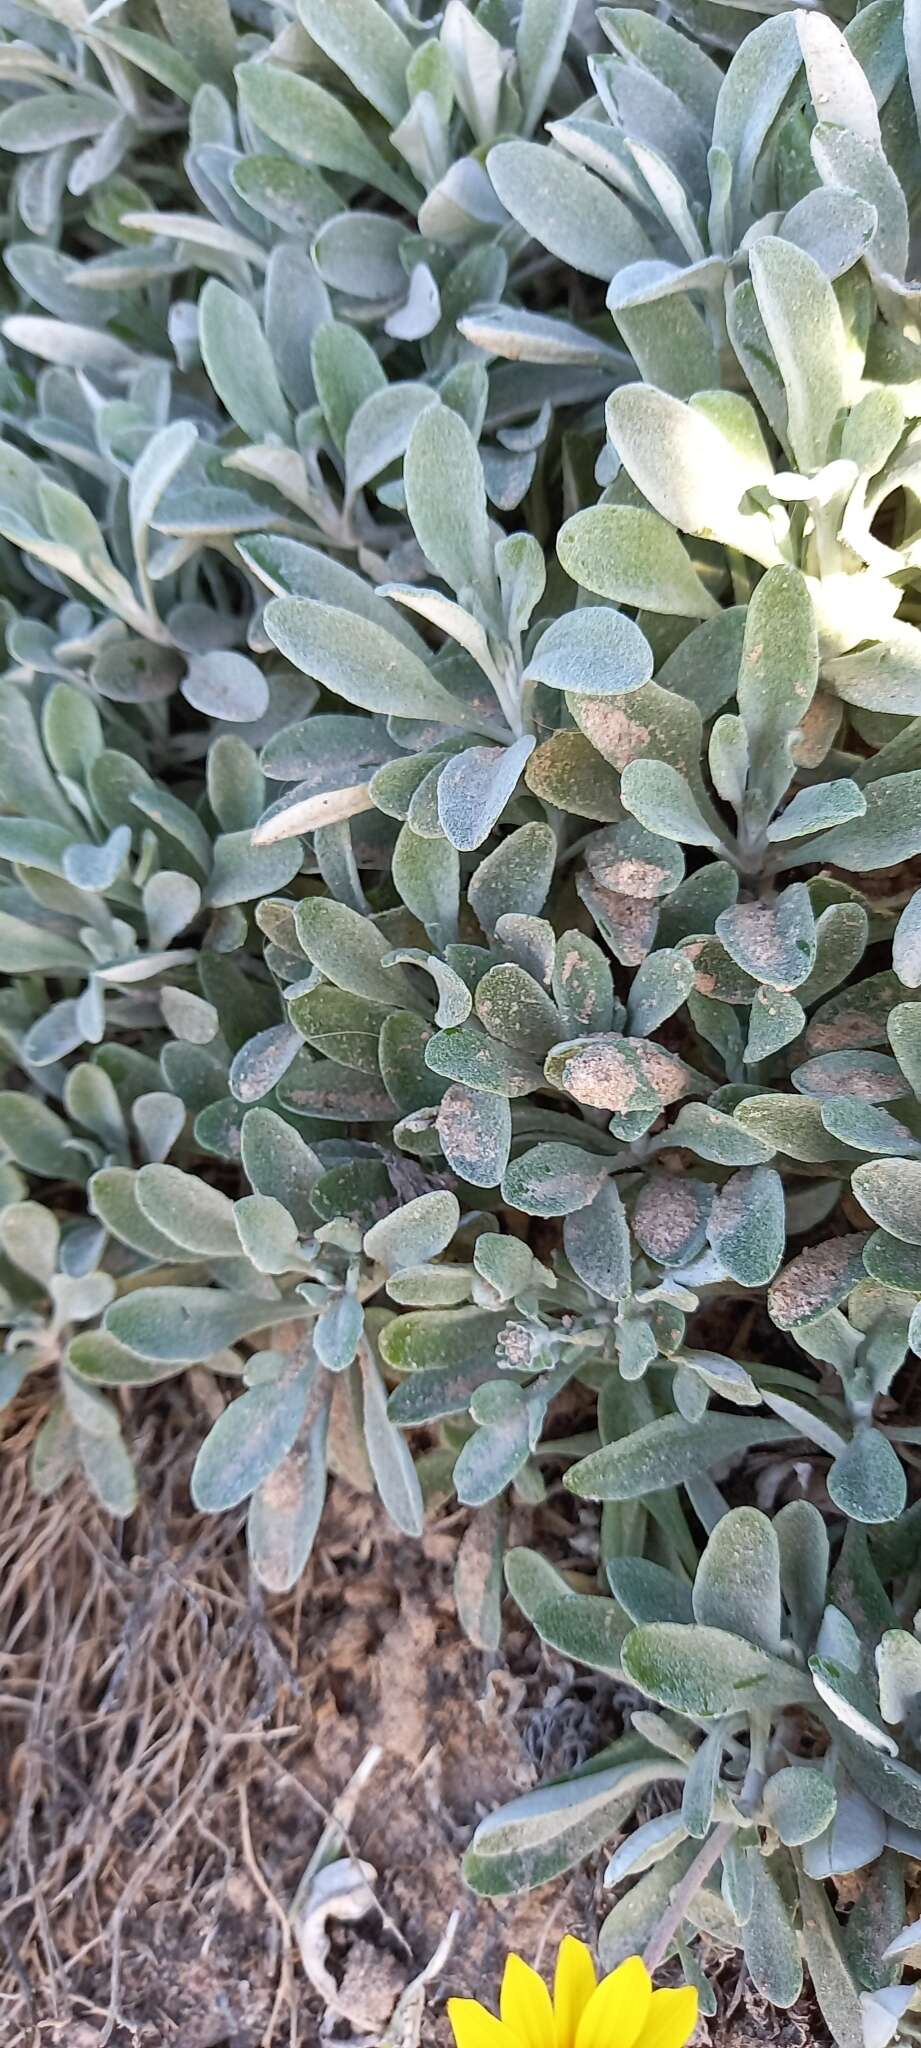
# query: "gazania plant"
(460, 823)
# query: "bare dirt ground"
(171, 1747)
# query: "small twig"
(710, 1853)
(285, 1986)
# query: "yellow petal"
(672, 2019)
(573, 1984)
(524, 2003)
(474, 2027)
(618, 2010)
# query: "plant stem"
(707, 1856)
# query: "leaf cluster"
(460, 814)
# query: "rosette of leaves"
(666, 183)
(408, 104)
(471, 719)
(781, 1736)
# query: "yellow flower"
(623, 2011)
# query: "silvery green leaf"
(669, 1221)
(769, 1942)
(844, 159)
(898, 1663)
(477, 66)
(800, 1803)
(475, 1131)
(188, 1016)
(752, 93)
(666, 1452)
(474, 788)
(295, 199)
(796, 300)
(737, 1586)
(773, 942)
(414, 1234)
(204, 36)
(359, 660)
(170, 902)
(516, 877)
(693, 474)
(420, 312)
(832, 1980)
(839, 87)
(285, 1509)
(113, 1199)
(567, 772)
(543, 1832)
(29, 1235)
(523, 336)
(242, 870)
(291, 569)
(158, 1118)
(566, 208)
(268, 1235)
(366, 44)
(660, 797)
(647, 1592)
(660, 986)
(746, 1225)
(833, 227)
(467, 1055)
(707, 1672)
(890, 1192)
(185, 1209)
(593, 651)
(350, 951)
(239, 363)
(713, 1135)
(314, 127)
(388, 1453)
(866, 1480)
(774, 1020)
(631, 555)
(553, 1180)
(722, 1375)
(868, 1129)
(825, 804)
(701, 1785)
(226, 686)
(185, 1325)
(515, 1009)
(446, 501)
(906, 943)
(37, 1138)
(27, 781)
(582, 983)
(543, 27)
(426, 872)
(249, 1439)
(817, 1280)
(803, 1544)
(380, 429)
(107, 1466)
(46, 120)
(277, 1162)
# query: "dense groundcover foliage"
(460, 761)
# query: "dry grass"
(171, 1752)
(140, 1689)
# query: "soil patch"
(173, 1745)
